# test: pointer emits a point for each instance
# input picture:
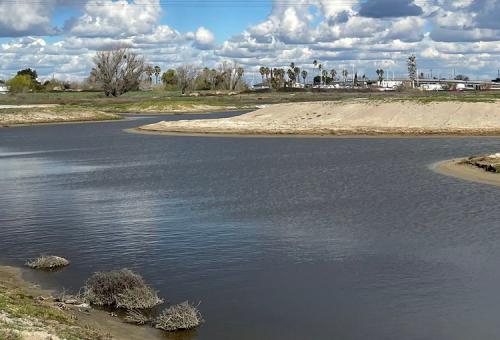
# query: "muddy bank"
(29, 312)
(351, 118)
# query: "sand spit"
(458, 168)
(351, 118)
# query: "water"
(278, 238)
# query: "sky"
(59, 38)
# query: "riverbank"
(459, 168)
(354, 117)
(23, 115)
(28, 312)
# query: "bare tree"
(118, 71)
(186, 75)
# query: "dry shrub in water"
(47, 262)
(179, 317)
(120, 288)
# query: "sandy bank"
(352, 118)
(46, 115)
(458, 169)
(24, 315)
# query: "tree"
(380, 73)
(169, 78)
(345, 74)
(20, 83)
(186, 75)
(462, 77)
(262, 71)
(320, 67)
(296, 71)
(157, 73)
(412, 69)
(118, 71)
(333, 73)
(149, 72)
(29, 72)
(291, 76)
(304, 76)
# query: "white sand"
(378, 117)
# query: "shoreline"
(359, 133)
(354, 118)
(40, 318)
(453, 168)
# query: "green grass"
(26, 314)
(169, 101)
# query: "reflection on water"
(278, 238)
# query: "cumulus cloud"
(389, 9)
(364, 34)
(203, 38)
(105, 18)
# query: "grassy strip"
(22, 316)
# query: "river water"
(277, 238)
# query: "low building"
(3, 89)
(432, 87)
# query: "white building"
(431, 87)
(3, 89)
(391, 84)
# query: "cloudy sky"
(59, 37)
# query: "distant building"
(260, 86)
(432, 87)
(3, 89)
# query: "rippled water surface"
(279, 238)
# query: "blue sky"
(59, 38)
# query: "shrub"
(121, 289)
(137, 317)
(20, 83)
(47, 262)
(179, 317)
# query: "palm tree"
(149, 72)
(315, 64)
(325, 75)
(320, 67)
(157, 73)
(268, 72)
(333, 73)
(345, 74)
(291, 76)
(304, 76)
(380, 73)
(296, 70)
(262, 72)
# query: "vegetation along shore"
(481, 169)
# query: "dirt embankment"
(352, 118)
(50, 114)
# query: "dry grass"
(179, 317)
(137, 317)
(121, 289)
(48, 262)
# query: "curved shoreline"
(349, 119)
(470, 173)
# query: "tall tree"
(333, 74)
(412, 69)
(304, 76)
(157, 73)
(118, 71)
(296, 71)
(380, 73)
(262, 72)
(149, 72)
